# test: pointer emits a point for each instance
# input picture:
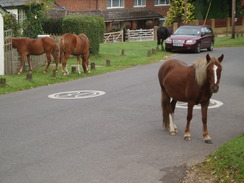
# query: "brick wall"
(76, 5)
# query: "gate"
(112, 37)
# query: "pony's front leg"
(29, 63)
(187, 135)
(204, 108)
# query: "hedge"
(92, 26)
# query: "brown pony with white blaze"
(27, 46)
(77, 45)
(192, 84)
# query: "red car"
(192, 38)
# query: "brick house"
(133, 14)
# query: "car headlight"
(190, 41)
(168, 40)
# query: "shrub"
(52, 26)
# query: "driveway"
(116, 136)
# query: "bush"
(52, 26)
(93, 27)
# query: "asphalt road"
(116, 137)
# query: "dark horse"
(26, 47)
(162, 34)
(77, 45)
(192, 84)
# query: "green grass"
(227, 163)
(135, 54)
(226, 41)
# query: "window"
(139, 3)
(162, 2)
(115, 3)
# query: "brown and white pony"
(77, 45)
(27, 46)
(192, 84)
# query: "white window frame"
(121, 4)
(137, 2)
(158, 3)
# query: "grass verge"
(227, 163)
(135, 54)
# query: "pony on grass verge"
(162, 34)
(77, 45)
(192, 84)
(27, 46)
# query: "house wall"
(76, 5)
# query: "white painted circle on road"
(213, 104)
(82, 94)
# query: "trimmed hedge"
(91, 26)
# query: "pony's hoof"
(187, 138)
(44, 72)
(172, 133)
(208, 141)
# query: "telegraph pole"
(233, 19)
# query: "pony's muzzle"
(214, 88)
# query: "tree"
(35, 12)
(177, 10)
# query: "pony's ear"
(208, 58)
(221, 58)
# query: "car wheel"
(198, 48)
(211, 46)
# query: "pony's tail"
(164, 104)
(62, 50)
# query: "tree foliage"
(217, 8)
(10, 22)
(176, 12)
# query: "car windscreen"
(187, 31)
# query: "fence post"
(1, 47)
(228, 25)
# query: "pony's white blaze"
(215, 67)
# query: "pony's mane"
(201, 69)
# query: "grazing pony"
(162, 34)
(26, 47)
(77, 45)
(192, 84)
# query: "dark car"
(192, 38)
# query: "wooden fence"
(139, 35)
(219, 26)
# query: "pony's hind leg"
(29, 63)
(173, 104)
(168, 120)
(85, 62)
(48, 62)
(78, 64)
